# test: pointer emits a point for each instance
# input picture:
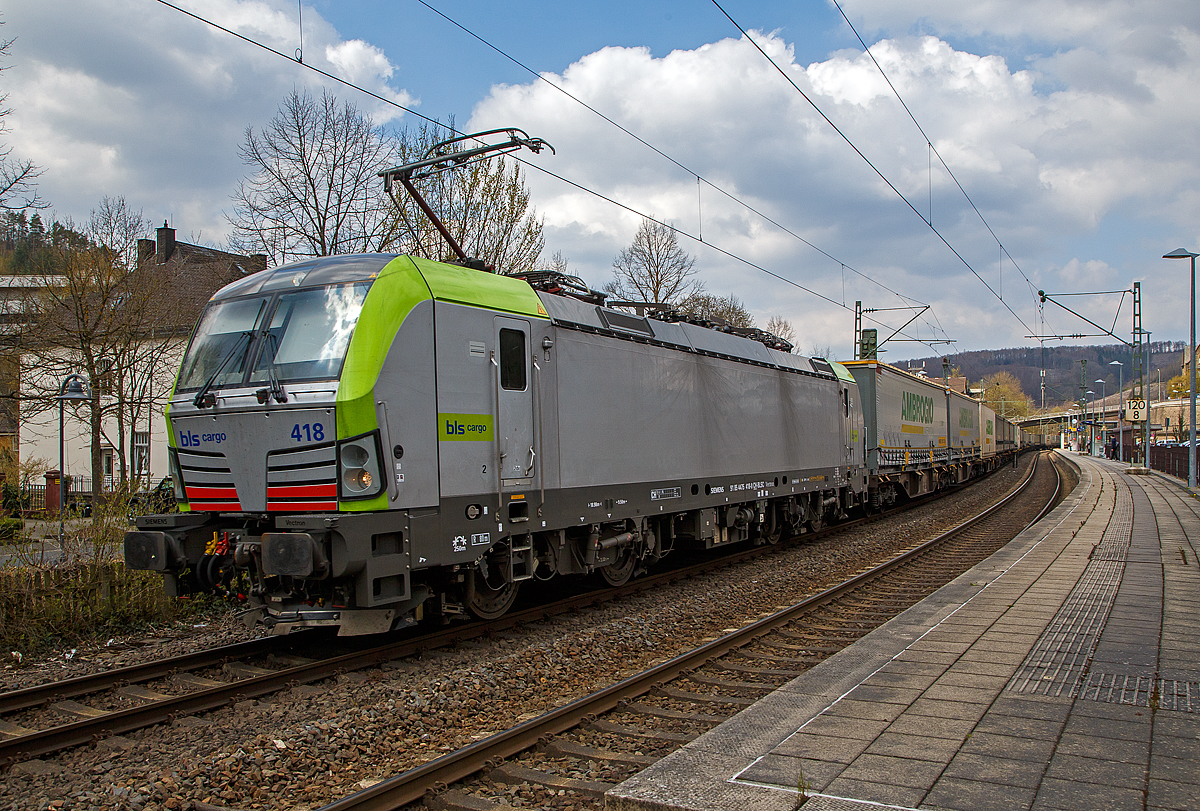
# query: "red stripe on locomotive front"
(211, 492)
(216, 506)
(303, 491)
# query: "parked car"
(149, 502)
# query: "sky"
(1070, 129)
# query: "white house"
(186, 276)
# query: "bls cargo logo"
(468, 427)
(188, 439)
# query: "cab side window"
(512, 359)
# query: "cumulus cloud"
(113, 98)
(1047, 163)
(1071, 124)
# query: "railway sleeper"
(761, 671)
(455, 800)
(713, 681)
(565, 748)
(798, 661)
(674, 715)
(10, 730)
(513, 773)
(142, 693)
(702, 698)
(77, 711)
(600, 725)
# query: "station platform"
(1061, 673)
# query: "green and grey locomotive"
(366, 441)
(374, 440)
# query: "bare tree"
(485, 206)
(654, 268)
(17, 177)
(780, 327)
(100, 314)
(314, 190)
(559, 263)
(722, 308)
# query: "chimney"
(258, 261)
(145, 250)
(166, 243)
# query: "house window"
(141, 454)
(106, 464)
(105, 377)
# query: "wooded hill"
(1062, 367)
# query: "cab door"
(514, 402)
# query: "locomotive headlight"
(358, 467)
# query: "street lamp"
(1184, 253)
(1103, 409)
(74, 387)
(1120, 410)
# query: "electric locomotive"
(375, 440)
(368, 441)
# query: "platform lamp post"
(1090, 404)
(1103, 408)
(1120, 410)
(1184, 253)
(74, 387)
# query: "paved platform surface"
(1061, 673)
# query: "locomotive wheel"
(619, 571)
(488, 603)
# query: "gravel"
(313, 744)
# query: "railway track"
(39, 720)
(569, 757)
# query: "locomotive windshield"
(222, 339)
(300, 335)
(309, 333)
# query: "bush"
(11, 499)
(40, 607)
(10, 529)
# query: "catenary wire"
(659, 152)
(868, 161)
(929, 142)
(527, 164)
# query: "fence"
(79, 491)
(1172, 460)
(37, 604)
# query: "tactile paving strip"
(1056, 663)
(1139, 691)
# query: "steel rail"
(87, 730)
(40, 694)
(412, 785)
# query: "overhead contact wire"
(658, 151)
(868, 161)
(525, 163)
(932, 148)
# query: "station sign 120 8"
(1135, 410)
